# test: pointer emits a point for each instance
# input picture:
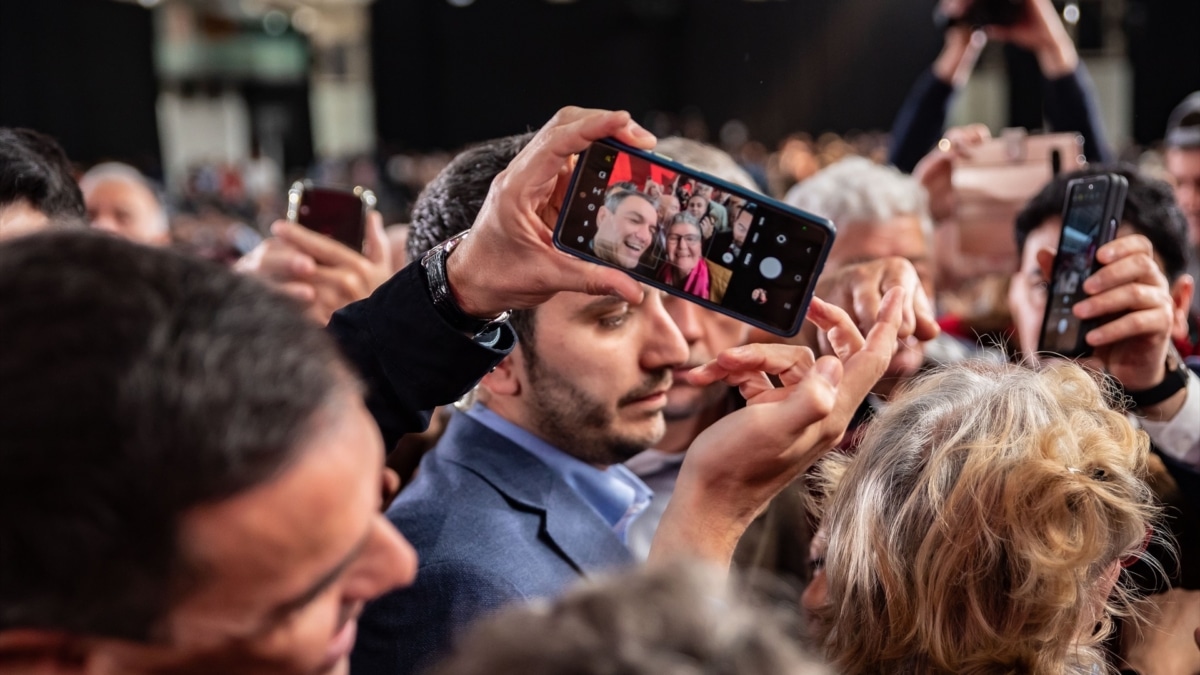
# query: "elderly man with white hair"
(121, 201)
(884, 237)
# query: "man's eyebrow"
(288, 606)
(602, 304)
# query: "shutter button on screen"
(770, 268)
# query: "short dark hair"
(1150, 209)
(135, 384)
(453, 199)
(615, 196)
(34, 168)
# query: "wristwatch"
(434, 265)
(1175, 379)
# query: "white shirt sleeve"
(1179, 436)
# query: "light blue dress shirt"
(615, 493)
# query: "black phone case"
(1114, 206)
(725, 186)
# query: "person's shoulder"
(718, 275)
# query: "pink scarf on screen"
(696, 282)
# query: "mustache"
(655, 381)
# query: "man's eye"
(614, 321)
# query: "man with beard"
(582, 392)
(524, 493)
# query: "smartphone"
(338, 213)
(740, 253)
(1091, 215)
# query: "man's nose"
(389, 562)
(686, 316)
(665, 345)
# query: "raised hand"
(736, 466)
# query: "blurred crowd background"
(225, 102)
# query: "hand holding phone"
(338, 213)
(762, 271)
(1091, 215)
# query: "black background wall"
(446, 75)
(83, 72)
(1164, 50)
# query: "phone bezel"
(1114, 206)
(749, 195)
(302, 187)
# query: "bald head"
(120, 201)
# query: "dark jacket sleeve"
(920, 122)
(1070, 105)
(409, 357)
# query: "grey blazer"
(492, 525)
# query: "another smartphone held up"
(338, 213)
(1091, 215)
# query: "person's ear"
(505, 380)
(1182, 290)
(42, 652)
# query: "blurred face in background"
(1184, 166)
(127, 209)
(668, 208)
(741, 226)
(902, 237)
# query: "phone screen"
(334, 212)
(726, 248)
(1088, 223)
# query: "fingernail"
(638, 129)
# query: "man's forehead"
(571, 301)
(898, 236)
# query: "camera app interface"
(1076, 252)
(674, 229)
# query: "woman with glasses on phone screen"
(685, 267)
(983, 527)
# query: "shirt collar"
(615, 493)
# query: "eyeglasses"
(689, 238)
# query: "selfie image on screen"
(677, 230)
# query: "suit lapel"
(571, 527)
(590, 548)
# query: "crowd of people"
(460, 450)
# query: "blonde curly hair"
(978, 528)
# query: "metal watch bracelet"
(434, 265)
